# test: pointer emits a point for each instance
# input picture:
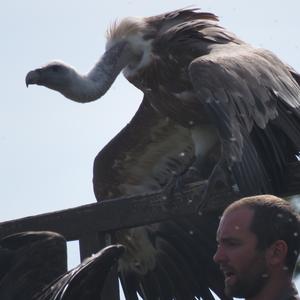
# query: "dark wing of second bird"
(85, 281)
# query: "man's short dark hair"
(274, 219)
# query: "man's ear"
(276, 253)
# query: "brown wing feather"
(254, 101)
(143, 156)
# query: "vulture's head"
(55, 75)
(126, 48)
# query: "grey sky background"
(48, 143)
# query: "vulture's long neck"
(90, 87)
(84, 88)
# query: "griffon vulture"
(214, 107)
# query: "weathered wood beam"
(114, 214)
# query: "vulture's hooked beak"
(32, 77)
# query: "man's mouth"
(229, 276)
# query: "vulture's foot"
(219, 180)
(175, 185)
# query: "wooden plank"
(89, 244)
(125, 212)
(114, 214)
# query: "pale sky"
(47, 142)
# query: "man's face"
(243, 265)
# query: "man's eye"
(232, 243)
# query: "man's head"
(258, 238)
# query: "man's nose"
(219, 256)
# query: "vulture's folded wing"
(254, 100)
